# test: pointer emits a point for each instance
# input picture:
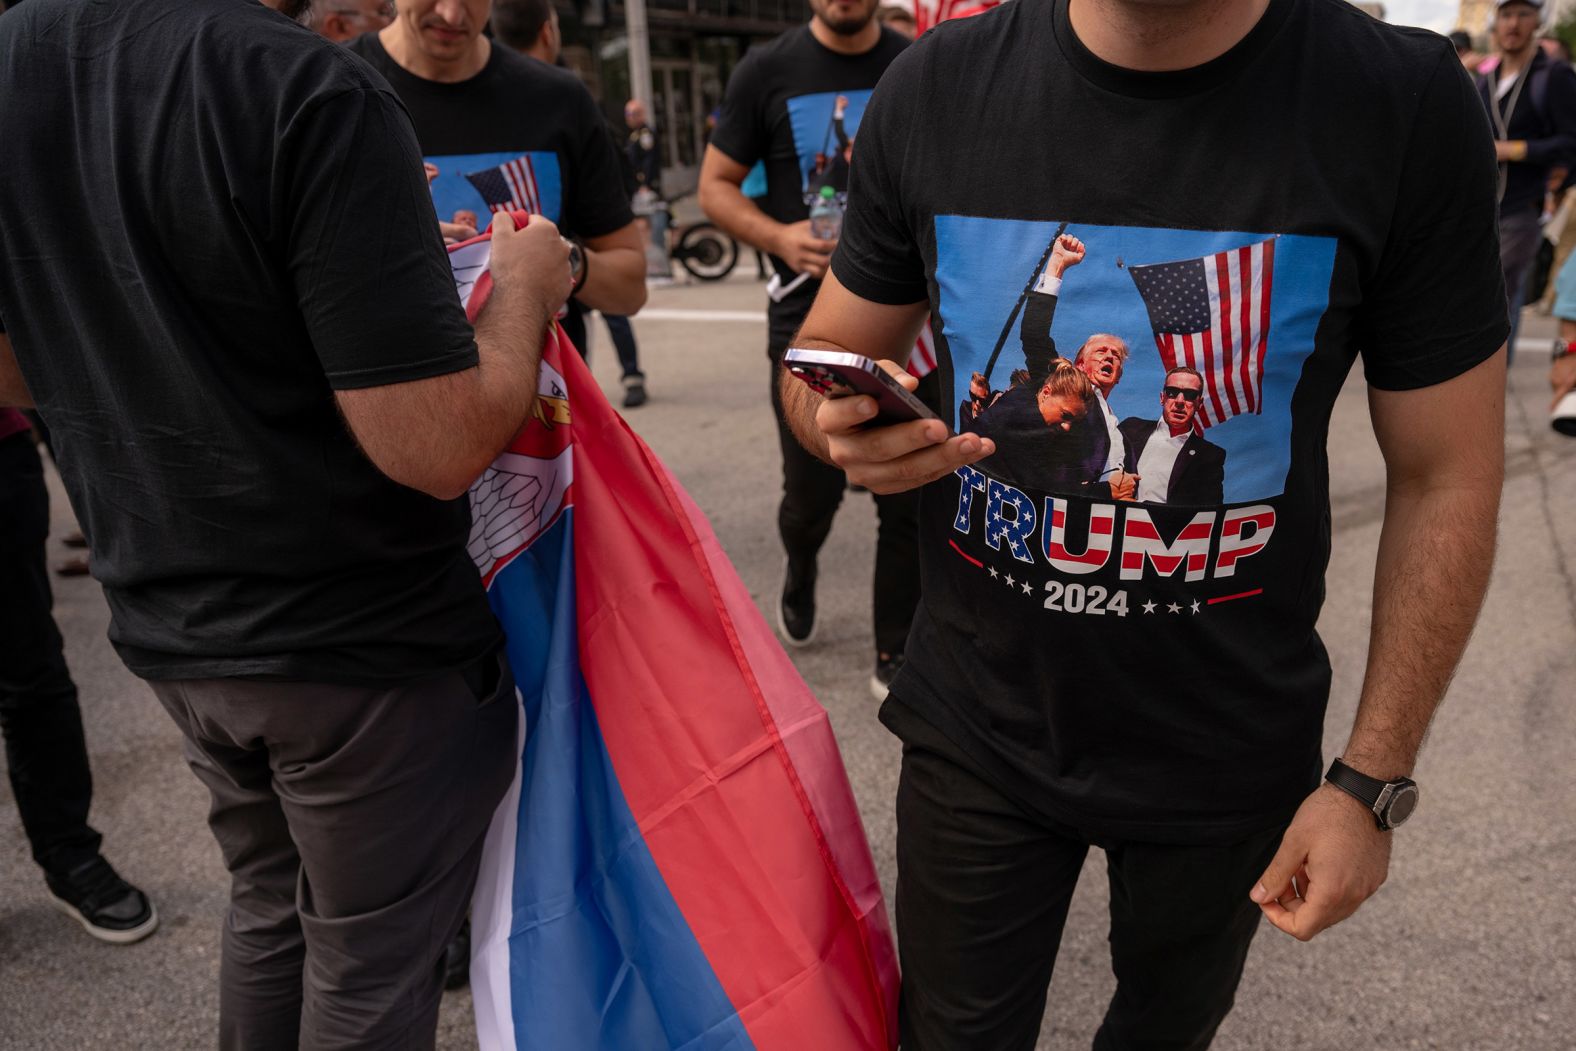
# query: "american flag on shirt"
(510, 187)
(1213, 314)
(922, 362)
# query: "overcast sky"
(1438, 15)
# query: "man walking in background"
(783, 106)
(1531, 102)
(644, 154)
(268, 430)
(531, 28)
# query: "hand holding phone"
(912, 447)
(838, 374)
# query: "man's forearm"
(509, 340)
(13, 391)
(799, 405)
(725, 204)
(615, 280)
(1435, 554)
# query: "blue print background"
(982, 266)
(451, 191)
(810, 117)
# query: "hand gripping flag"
(1213, 314)
(679, 862)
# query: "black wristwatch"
(579, 265)
(1392, 802)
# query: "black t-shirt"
(1323, 190)
(212, 219)
(519, 134)
(781, 108)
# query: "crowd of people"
(340, 667)
(1528, 89)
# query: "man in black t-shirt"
(508, 132)
(1204, 164)
(531, 28)
(241, 326)
(795, 104)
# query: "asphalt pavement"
(1471, 944)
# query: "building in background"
(694, 47)
(1475, 16)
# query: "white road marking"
(674, 314)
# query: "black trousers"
(812, 492)
(351, 820)
(982, 894)
(45, 753)
(618, 327)
(623, 334)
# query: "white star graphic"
(1026, 589)
(1195, 605)
(1149, 607)
(993, 573)
(1174, 608)
(1010, 581)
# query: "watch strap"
(1363, 788)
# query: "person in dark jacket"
(1174, 464)
(1531, 103)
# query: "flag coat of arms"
(1212, 314)
(679, 862)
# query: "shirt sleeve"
(741, 130)
(1435, 305)
(878, 256)
(362, 246)
(600, 204)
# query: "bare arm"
(885, 459)
(1444, 451)
(1444, 456)
(725, 204)
(475, 412)
(615, 271)
(13, 392)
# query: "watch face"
(1401, 805)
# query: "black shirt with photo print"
(1150, 670)
(755, 125)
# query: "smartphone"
(837, 374)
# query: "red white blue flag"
(509, 187)
(1213, 314)
(679, 863)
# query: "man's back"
(185, 287)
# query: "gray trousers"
(351, 820)
(1519, 234)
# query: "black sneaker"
(634, 391)
(796, 608)
(108, 907)
(457, 959)
(887, 667)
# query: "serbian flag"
(679, 862)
